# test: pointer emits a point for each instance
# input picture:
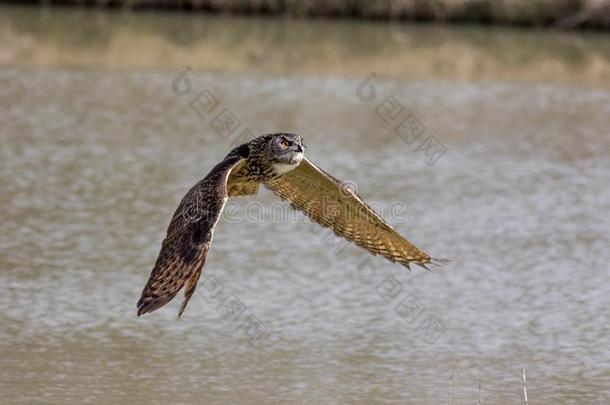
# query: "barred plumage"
(277, 161)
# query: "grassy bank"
(56, 37)
(556, 13)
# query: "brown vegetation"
(277, 46)
(557, 13)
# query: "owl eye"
(284, 144)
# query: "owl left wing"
(189, 237)
(332, 203)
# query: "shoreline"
(37, 37)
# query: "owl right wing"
(189, 236)
(332, 203)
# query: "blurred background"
(480, 129)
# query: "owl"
(278, 162)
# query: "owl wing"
(189, 236)
(332, 203)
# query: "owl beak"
(296, 148)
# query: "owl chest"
(283, 168)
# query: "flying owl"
(277, 161)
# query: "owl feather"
(277, 161)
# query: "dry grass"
(160, 41)
(558, 13)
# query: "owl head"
(284, 151)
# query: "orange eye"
(284, 144)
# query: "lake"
(489, 146)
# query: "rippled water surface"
(93, 162)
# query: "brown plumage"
(332, 203)
(187, 243)
(277, 161)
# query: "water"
(97, 150)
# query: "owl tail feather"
(439, 262)
(191, 286)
